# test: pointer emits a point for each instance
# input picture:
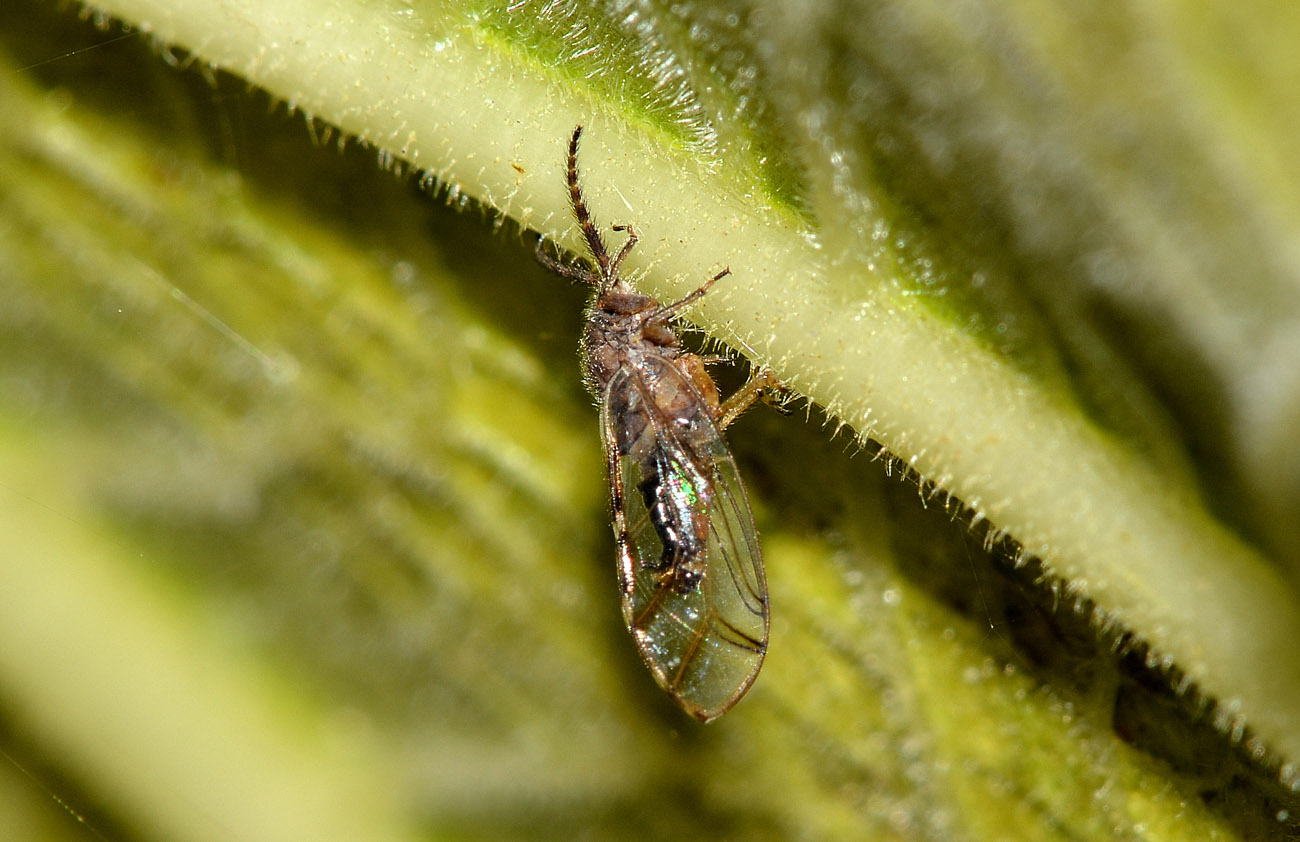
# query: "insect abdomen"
(677, 505)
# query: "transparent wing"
(702, 635)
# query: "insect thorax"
(620, 333)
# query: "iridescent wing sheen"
(704, 642)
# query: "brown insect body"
(625, 332)
(690, 571)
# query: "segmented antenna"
(580, 211)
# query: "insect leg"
(622, 253)
(761, 384)
(666, 311)
(692, 366)
(575, 273)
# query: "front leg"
(666, 312)
(627, 247)
(573, 273)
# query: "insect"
(690, 571)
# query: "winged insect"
(689, 566)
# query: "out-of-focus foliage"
(303, 517)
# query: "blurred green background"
(305, 536)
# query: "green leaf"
(304, 521)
